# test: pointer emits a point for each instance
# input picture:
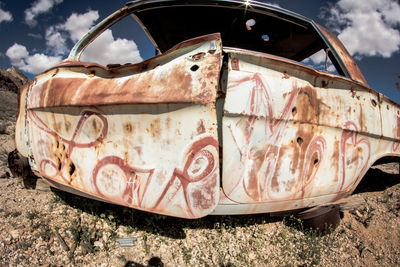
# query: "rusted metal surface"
(148, 135)
(178, 76)
(21, 141)
(161, 157)
(291, 135)
(351, 65)
(129, 154)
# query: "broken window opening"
(321, 61)
(117, 46)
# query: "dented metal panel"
(21, 142)
(160, 157)
(148, 135)
(188, 73)
(292, 135)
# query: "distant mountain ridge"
(12, 79)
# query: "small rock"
(14, 234)
(105, 238)
(3, 128)
(98, 244)
(7, 241)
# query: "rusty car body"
(225, 119)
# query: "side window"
(320, 61)
(123, 43)
(296, 41)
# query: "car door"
(140, 135)
(292, 133)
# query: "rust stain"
(171, 82)
(96, 127)
(335, 159)
(128, 128)
(308, 105)
(200, 127)
(198, 56)
(285, 75)
(138, 149)
(168, 124)
(155, 128)
(398, 126)
(186, 177)
(204, 197)
(361, 118)
(67, 125)
(235, 64)
(305, 134)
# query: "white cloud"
(37, 8)
(35, 35)
(55, 41)
(79, 24)
(366, 27)
(19, 57)
(318, 57)
(16, 54)
(5, 16)
(40, 62)
(105, 50)
(317, 61)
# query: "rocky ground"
(49, 227)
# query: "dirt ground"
(49, 227)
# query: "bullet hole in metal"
(294, 111)
(71, 168)
(265, 37)
(250, 23)
(299, 140)
(373, 102)
(194, 68)
(111, 66)
(59, 165)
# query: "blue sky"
(38, 34)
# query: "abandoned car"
(228, 117)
